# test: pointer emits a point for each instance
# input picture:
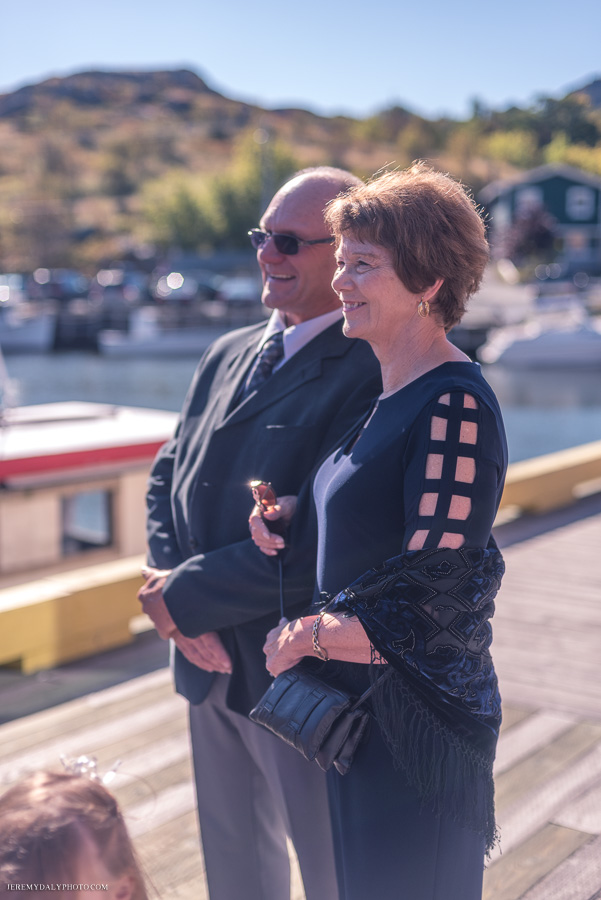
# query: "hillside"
(593, 92)
(97, 165)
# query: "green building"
(571, 202)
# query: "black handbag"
(322, 722)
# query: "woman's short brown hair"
(429, 223)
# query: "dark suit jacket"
(199, 498)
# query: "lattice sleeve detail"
(451, 484)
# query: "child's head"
(62, 829)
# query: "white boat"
(564, 340)
(25, 329)
(73, 479)
(147, 336)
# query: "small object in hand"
(265, 498)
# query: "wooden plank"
(512, 715)
(139, 790)
(172, 858)
(88, 740)
(534, 808)
(167, 838)
(584, 813)
(529, 690)
(172, 803)
(535, 772)
(148, 758)
(515, 872)
(529, 736)
(548, 764)
(130, 696)
(578, 647)
(123, 748)
(576, 878)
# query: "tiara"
(88, 766)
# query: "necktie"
(270, 354)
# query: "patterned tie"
(269, 356)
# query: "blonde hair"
(431, 226)
(46, 823)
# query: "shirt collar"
(296, 336)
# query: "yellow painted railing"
(552, 481)
(74, 614)
(64, 617)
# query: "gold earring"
(423, 308)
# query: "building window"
(528, 198)
(87, 522)
(580, 203)
(577, 240)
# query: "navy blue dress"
(394, 478)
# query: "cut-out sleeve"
(453, 473)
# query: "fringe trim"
(450, 775)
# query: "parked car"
(185, 287)
(57, 284)
(114, 287)
(240, 290)
(12, 288)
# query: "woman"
(405, 510)
(58, 828)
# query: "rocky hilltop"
(96, 163)
(117, 89)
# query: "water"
(544, 410)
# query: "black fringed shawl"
(427, 613)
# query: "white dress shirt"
(296, 336)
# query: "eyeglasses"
(287, 244)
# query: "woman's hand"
(269, 543)
(285, 645)
(340, 637)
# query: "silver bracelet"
(317, 648)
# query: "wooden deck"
(547, 639)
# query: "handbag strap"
(281, 570)
(379, 681)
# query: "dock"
(121, 705)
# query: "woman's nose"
(341, 282)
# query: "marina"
(82, 673)
(544, 410)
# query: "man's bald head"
(300, 285)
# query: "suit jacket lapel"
(304, 366)
(238, 367)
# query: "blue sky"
(354, 57)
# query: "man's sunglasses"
(284, 243)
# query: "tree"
(176, 212)
(532, 237)
(237, 199)
(516, 147)
(190, 212)
(568, 116)
(578, 155)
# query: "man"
(252, 414)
